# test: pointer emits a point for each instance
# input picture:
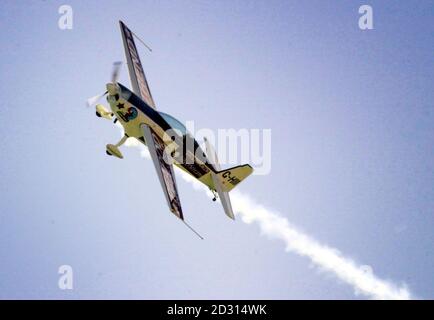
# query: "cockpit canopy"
(174, 123)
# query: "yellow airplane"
(167, 139)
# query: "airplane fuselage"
(132, 112)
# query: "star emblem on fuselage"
(120, 105)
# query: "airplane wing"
(164, 170)
(137, 76)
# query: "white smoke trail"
(329, 259)
(326, 258)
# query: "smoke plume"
(275, 226)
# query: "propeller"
(115, 71)
(114, 78)
(93, 100)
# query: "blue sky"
(351, 114)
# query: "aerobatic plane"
(167, 139)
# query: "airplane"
(167, 139)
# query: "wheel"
(97, 114)
(108, 153)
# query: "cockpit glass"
(174, 123)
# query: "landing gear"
(102, 112)
(214, 194)
(113, 150)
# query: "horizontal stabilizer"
(231, 177)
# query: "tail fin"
(225, 180)
(231, 177)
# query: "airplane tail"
(225, 180)
(231, 177)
